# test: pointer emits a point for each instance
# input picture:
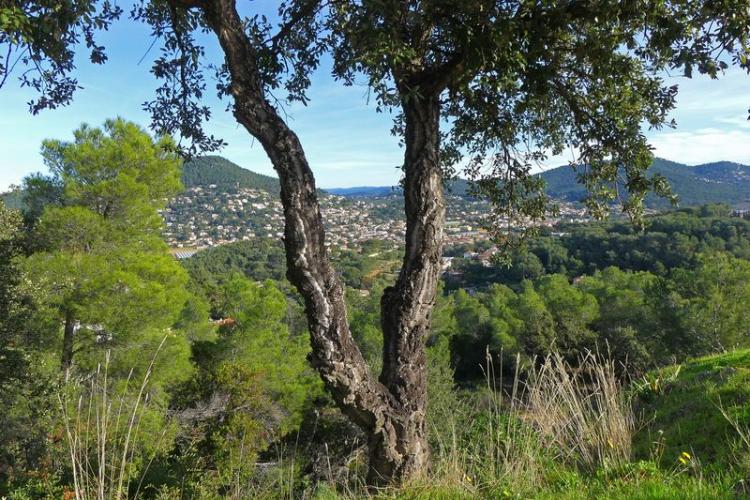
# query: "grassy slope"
(687, 409)
(682, 401)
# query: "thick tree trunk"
(66, 360)
(391, 410)
(406, 306)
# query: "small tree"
(101, 265)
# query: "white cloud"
(703, 146)
(735, 121)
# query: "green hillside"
(683, 405)
(207, 170)
(724, 182)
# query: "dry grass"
(557, 416)
(101, 430)
(513, 434)
(741, 446)
(582, 411)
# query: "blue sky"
(347, 142)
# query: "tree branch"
(334, 352)
(307, 9)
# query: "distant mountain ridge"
(365, 191)
(456, 187)
(721, 181)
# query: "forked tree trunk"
(391, 411)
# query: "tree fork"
(391, 411)
(335, 354)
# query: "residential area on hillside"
(211, 215)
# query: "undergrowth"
(558, 431)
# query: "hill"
(719, 182)
(456, 187)
(685, 403)
(365, 191)
(217, 170)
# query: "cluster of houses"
(208, 216)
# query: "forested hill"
(719, 182)
(207, 170)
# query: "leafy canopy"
(521, 80)
(40, 37)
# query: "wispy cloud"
(741, 122)
(703, 146)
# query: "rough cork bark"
(406, 306)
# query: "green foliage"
(107, 297)
(572, 310)
(717, 292)
(118, 172)
(258, 259)
(513, 81)
(114, 427)
(669, 240)
(363, 311)
(485, 323)
(625, 321)
(373, 266)
(572, 486)
(253, 383)
(704, 309)
(526, 78)
(640, 319)
(12, 199)
(102, 268)
(538, 326)
(11, 301)
(43, 36)
(249, 426)
(26, 378)
(444, 402)
(685, 415)
(261, 340)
